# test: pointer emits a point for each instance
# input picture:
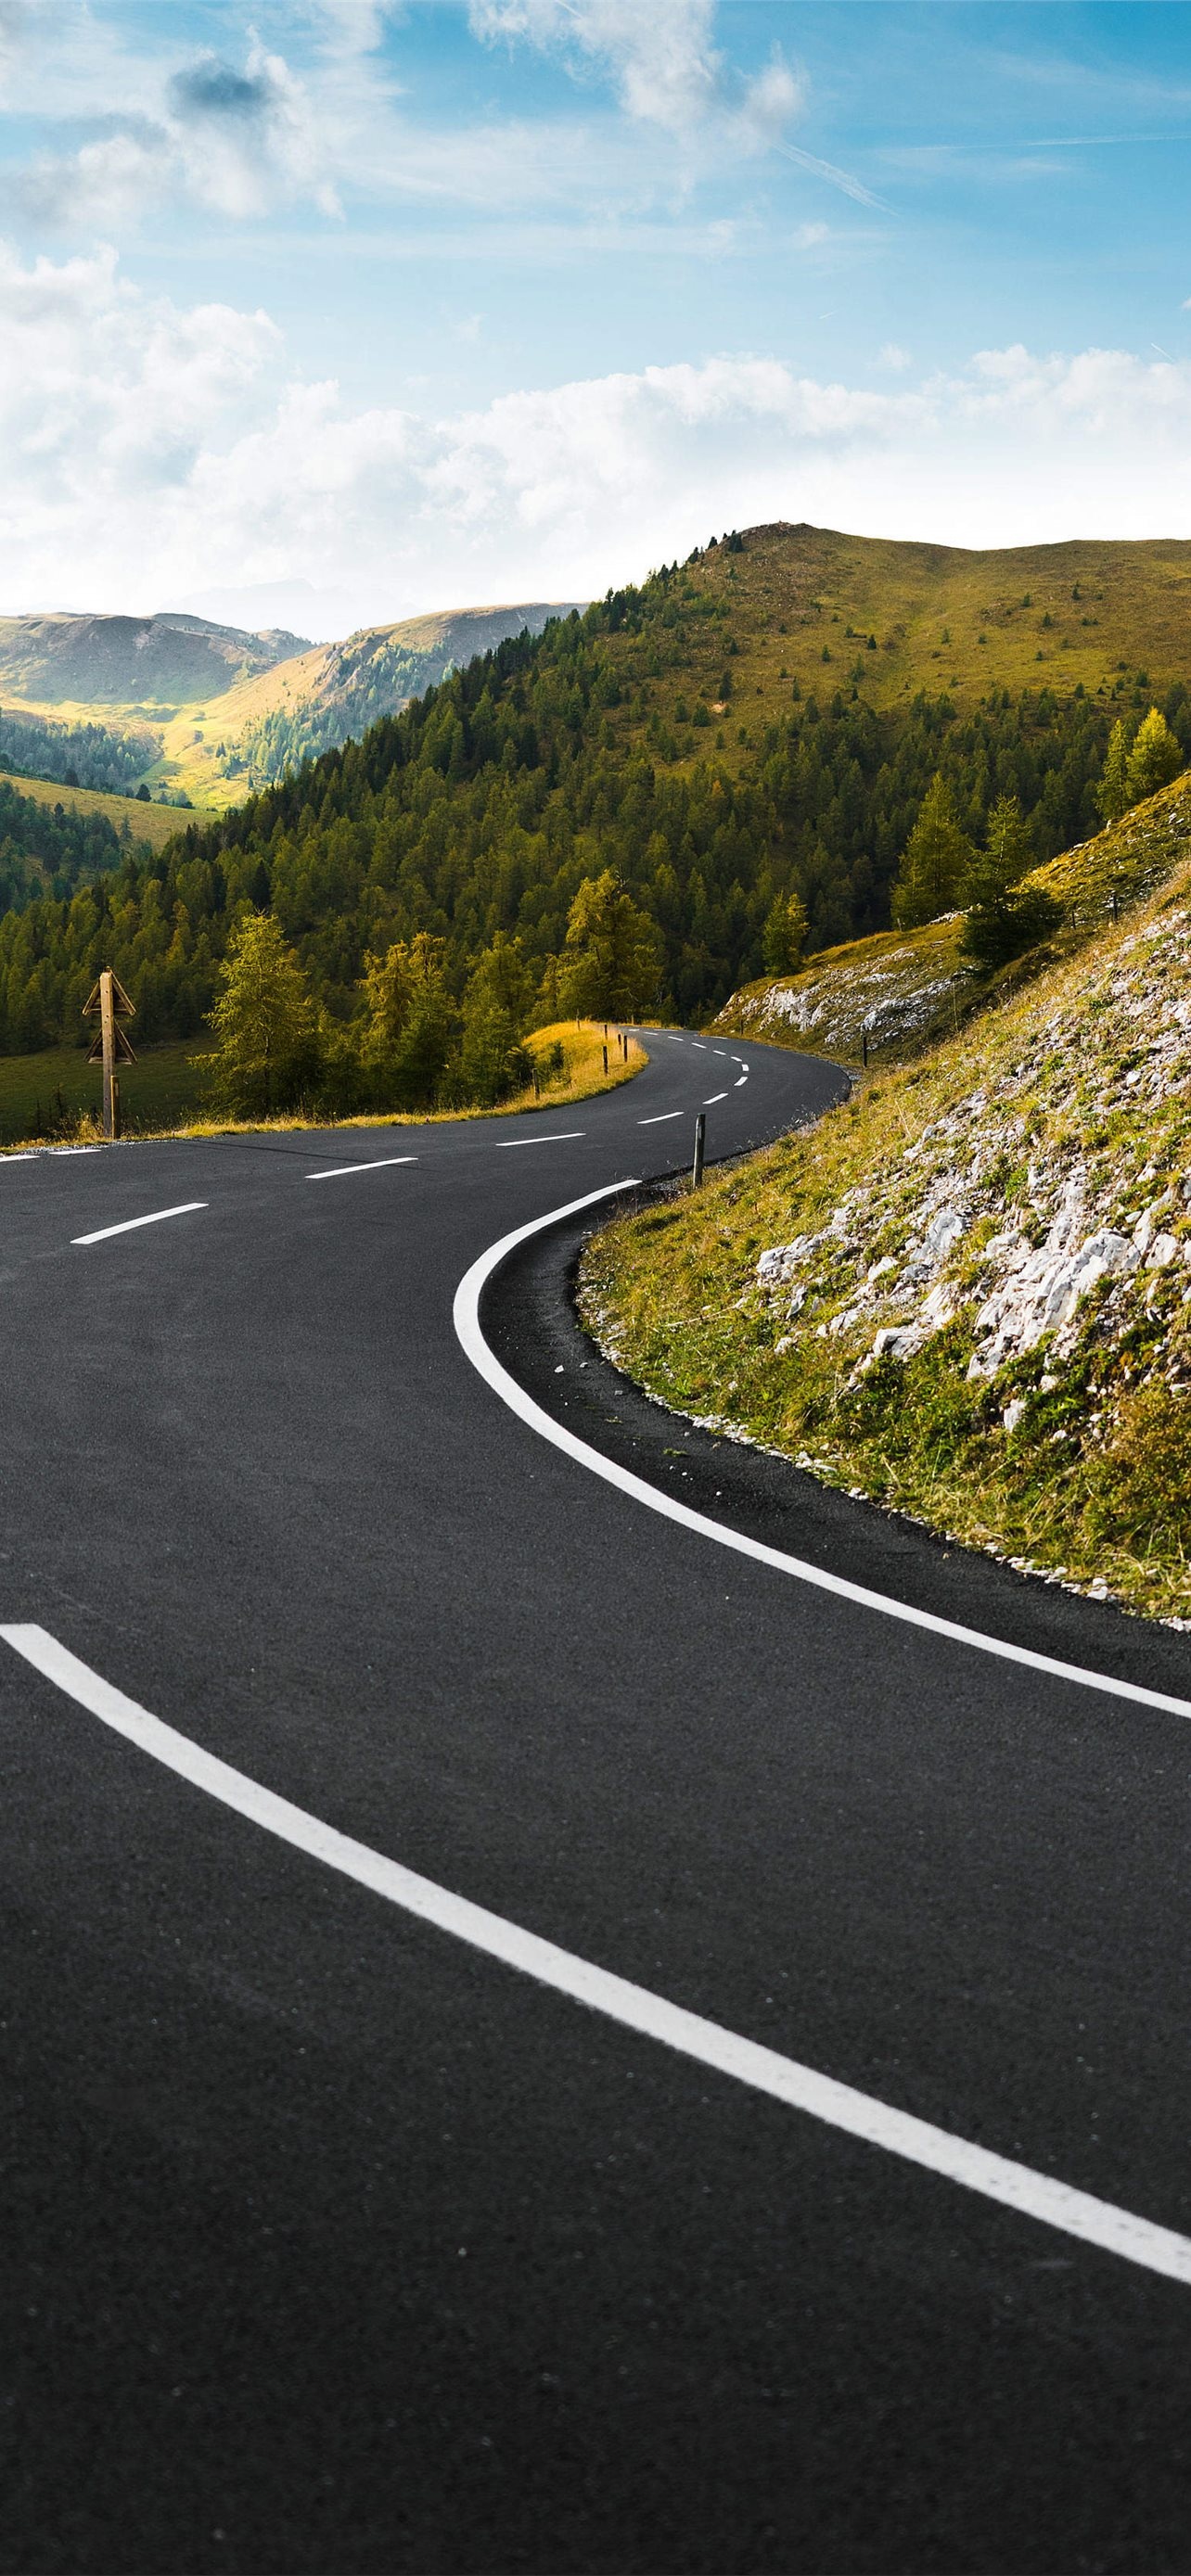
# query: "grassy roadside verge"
(54, 1096)
(967, 1293)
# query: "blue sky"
(331, 312)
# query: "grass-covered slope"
(903, 988)
(1084, 614)
(130, 818)
(967, 1293)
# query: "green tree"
(1112, 790)
(935, 861)
(1007, 855)
(408, 1022)
(1005, 917)
(496, 1008)
(1155, 758)
(266, 1025)
(612, 958)
(784, 937)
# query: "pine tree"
(1112, 792)
(934, 863)
(1155, 758)
(266, 1025)
(1005, 918)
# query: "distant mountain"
(206, 712)
(139, 664)
(333, 693)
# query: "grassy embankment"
(55, 1094)
(966, 1294)
(913, 986)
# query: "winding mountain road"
(573, 2001)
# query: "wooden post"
(697, 1166)
(107, 1033)
(605, 1059)
(109, 1003)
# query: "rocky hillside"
(969, 1294)
(890, 995)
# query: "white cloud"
(148, 451)
(660, 56)
(893, 357)
(237, 138)
(771, 102)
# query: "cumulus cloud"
(235, 139)
(152, 450)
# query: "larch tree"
(612, 957)
(1112, 790)
(785, 934)
(266, 1024)
(1155, 758)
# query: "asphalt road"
(334, 2242)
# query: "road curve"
(346, 2230)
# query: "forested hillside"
(650, 735)
(51, 850)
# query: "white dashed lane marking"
(339, 1171)
(130, 1223)
(660, 1119)
(567, 1136)
(716, 1095)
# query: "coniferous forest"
(618, 739)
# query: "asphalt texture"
(333, 2245)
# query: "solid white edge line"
(1016, 2186)
(467, 1326)
(563, 1136)
(339, 1171)
(131, 1222)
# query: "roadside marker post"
(109, 1003)
(605, 1059)
(697, 1166)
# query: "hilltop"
(770, 619)
(968, 1295)
(892, 617)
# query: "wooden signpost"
(109, 1003)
